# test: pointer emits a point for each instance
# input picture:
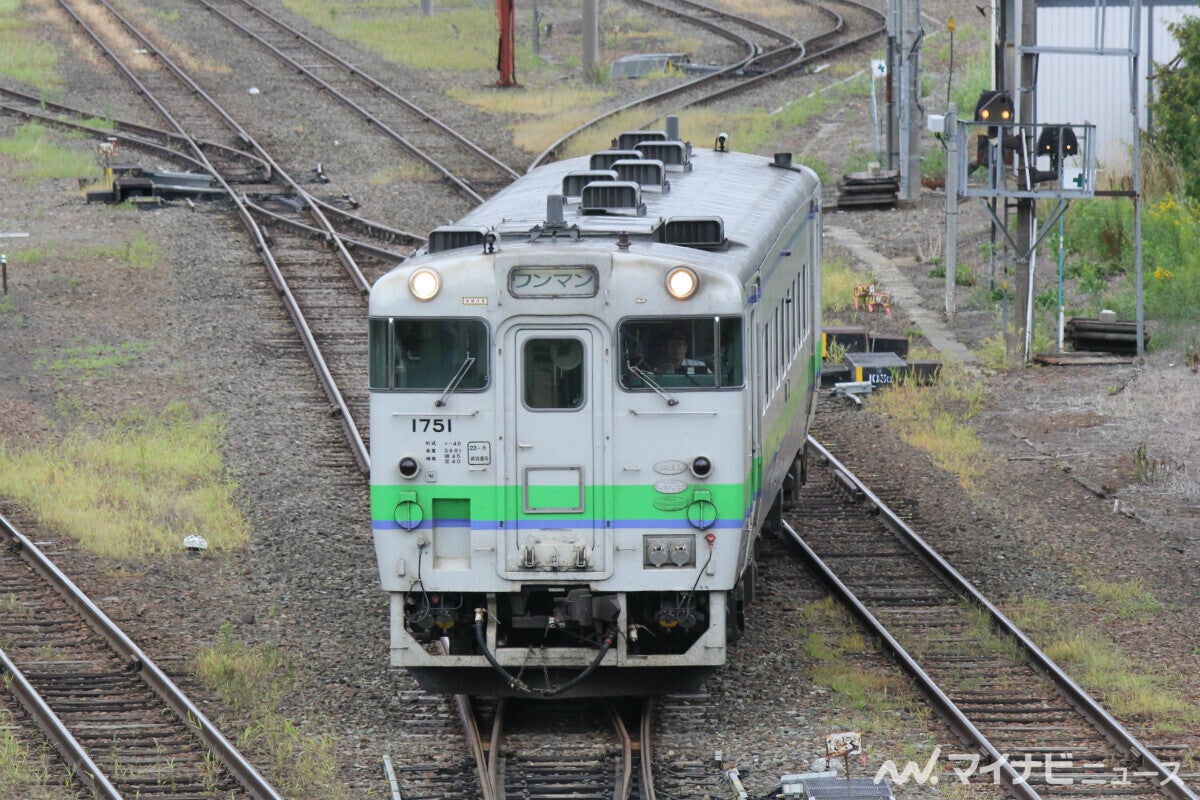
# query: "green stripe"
(627, 502)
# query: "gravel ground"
(1062, 502)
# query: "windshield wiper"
(456, 380)
(645, 376)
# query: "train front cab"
(565, 485)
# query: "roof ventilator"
(644, 172)
(702, 233)
(449, 237)
(573, 182)
(603, 159)
(631, 139)
(672, 154)
(611, 197)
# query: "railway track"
(783, 55)
(592, 750)
(1026, 724)
(446, 151)
(117, 721)
(322, 285)
(909, 613)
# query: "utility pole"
(591, 39)
(506, 61)
(1021, 345)
(904, 123)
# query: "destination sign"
(564, 281)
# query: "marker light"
(681, 283)
(409, 467)
(424, 284)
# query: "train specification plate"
(564, 281)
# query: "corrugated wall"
(1096, 89)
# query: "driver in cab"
(677, 360)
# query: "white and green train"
(587, 398)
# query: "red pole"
(506, 60)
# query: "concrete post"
(591, 39)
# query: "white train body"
(556, 509)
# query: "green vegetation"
(1176, 100)
(36, 157)
(1097, 663)
(134, 490)
(837, 286)
(91, 359)
(1099, 237)
(876, 695)
(1125, 598)
(253, 681)
(137, 253)
(936, 419)
(35, 66)
(26, 772)
(461, 36)
(964, 274)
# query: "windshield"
(681, 353)
(428, 354)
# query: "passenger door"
(556, 448)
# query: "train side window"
(553, 372)
(418, 354)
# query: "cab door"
(556, 449)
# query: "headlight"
(424, 284)
(681, 283)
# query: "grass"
(459, 37)
(36, 157)
(936, 419)
(91, 359)
(1126, 598)
(133, 491)
(138, 253)
(35, 66)
(831, 641)
(253, 680)
(26, 772)
(837, 286)
(1098, 664)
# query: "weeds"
(37, 157)
(253, 680)
(837, 286)
(36, 66)
(832, 641)
(936, 420)
(1126, 598)
(134, 490)
(1098, 664)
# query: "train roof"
(728, 207)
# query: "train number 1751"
(430, 424)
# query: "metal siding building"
(1096, 88)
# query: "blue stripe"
(570, 524)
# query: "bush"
(1174, 107)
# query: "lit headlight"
(424, 284)
(681, 283)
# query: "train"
(588, 399)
